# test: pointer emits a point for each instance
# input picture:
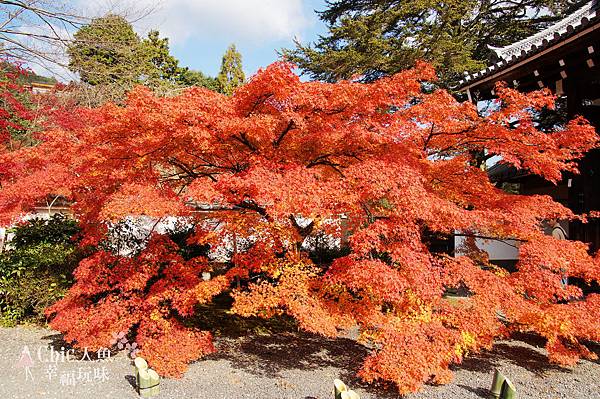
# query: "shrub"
(36, 270)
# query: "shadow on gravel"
(131, 380)
(270, 348)
(57, 342)
(268, 355)
(271, 355)
(514, 352)
(481, 392)
(529, 338)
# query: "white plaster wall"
(497, 250)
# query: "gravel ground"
(294, 366)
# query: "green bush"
(36, 269)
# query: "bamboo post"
(497, 385)
(350, 395)
(339, 387)
(147, 380)
(144, 384)
(508, 390)
(140, 364)
(154, 383)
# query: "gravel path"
(294, 366)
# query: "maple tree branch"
(253, 206)
(242, 138)
(175, 162)
(260, 100)
(235, 168)
(334, 166)
(289, 127)
(367, 211)
(190, 171)
(336, 111)
(153, 227)
(317, 159)
(426, 143)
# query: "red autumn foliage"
(15, 113)
(287, 159)
(24, 113)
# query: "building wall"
(506, 250)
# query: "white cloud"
(247, 21)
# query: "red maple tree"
(385, 166)
(15, 112)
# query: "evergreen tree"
(163, 70)
(110, 57)
(231, 75)
(375, 38)
(161, 66)
(190, 77)
(107, 51)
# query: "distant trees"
(163, 68)
(160, 65)
(231, 75)
(111, 58)
(107, 51)
(190, 77)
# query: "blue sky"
(201, 30)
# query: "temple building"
(563, 58)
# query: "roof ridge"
(562, 29)
(558, 28)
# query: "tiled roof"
(566, 27)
